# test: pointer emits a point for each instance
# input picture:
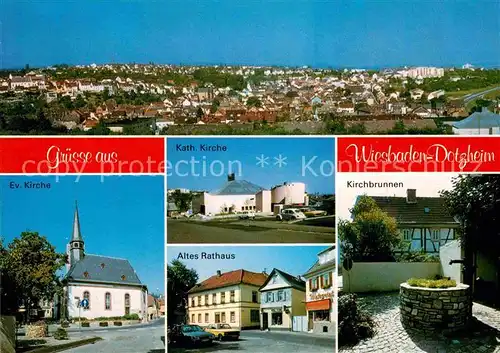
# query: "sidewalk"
(75, 327)
(294, 333)
(50, 344)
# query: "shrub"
(64, 324)
(117, 323)
(103, 324)
(85, 324)
(354, 323)
(417, 256)
(131, 317)
(61, 334)
(432, 283)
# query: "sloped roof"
(103, 269)
(427, 210)
(293, 281)
(238, 187)
(229, 279)
(483, 120)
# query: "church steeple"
(76, 244)
(77, 236)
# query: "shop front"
(320, 314)
(276, 318)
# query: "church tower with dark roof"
(76, 243)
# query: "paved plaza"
(482, 336)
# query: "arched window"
(86, 295)
(127, 304)
(107, 301)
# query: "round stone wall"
(435, 309)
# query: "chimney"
(218, 273)
(411, 196)
(230, 177)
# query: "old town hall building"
(110, 285)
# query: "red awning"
(324, 304)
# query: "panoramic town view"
(293, 75)
(251, 190)
(251, 299)
(435, 239)
(71, 273)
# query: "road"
(135, 339)
(469, 97)
(247, 232)
(270, 342)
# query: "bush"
(432, 283)
(117, 323)
(103, 324)
(354, 323)
(417, 256)
(64, 324)
(61, 334)
(85, 324)
(131, 317)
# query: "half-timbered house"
(424, 222)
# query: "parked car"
(190, 335)
(290, 214)
(247, 215)
(311, 212)
(224, 331)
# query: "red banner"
(418, 154)
(63, 155)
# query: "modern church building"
(110, 285)
(241, 195)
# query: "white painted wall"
(215, 203)
(263, 201)
(451, 251)
(385, 276)
(292, 193)
(138, 304)
(481, 131)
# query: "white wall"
(215, 203)
(385, 276)
(476, 131)
(263, 201)
(97, 301)
(451, 251)
(292, 193)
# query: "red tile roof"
(230, 279)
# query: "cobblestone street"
(483, 336)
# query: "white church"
(110, 285)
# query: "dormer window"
(124, 277)
(86, 274)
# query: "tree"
(31, 263)
(372, 235)
(475, 202)
(254, 102)
(79, 102)
(180, 280)
(182, 200)
(199, 113)
(99, 129)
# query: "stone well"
(435, 309)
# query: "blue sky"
(308, 160)
(251, 258)
(351, 33)
(120, 217)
